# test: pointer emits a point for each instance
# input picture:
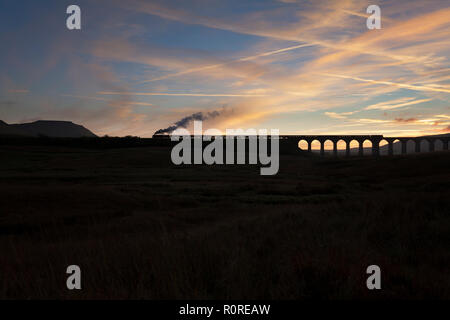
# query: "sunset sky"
(303, 67)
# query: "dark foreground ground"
(141, 228)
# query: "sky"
(303, 67)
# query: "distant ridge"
(48, 128)
(7, 130)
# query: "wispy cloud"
(108, 100)
(182, 94)
(317, 19)
(395, 104)
(409, 120)
(215, 66)
(389, 83)
(18, 91)
(342, 115)
(291, 64)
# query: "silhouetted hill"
(7, 130)
(57, 129)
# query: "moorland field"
(140, 227)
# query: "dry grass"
(142, 228)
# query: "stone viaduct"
(290, 142)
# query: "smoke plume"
(183, 123)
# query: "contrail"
(389, 83)
(181, 94)
(364, 15)
(166, 13)
(104, 99)
(213, 66)
(388, 106)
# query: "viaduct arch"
(292, 141)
